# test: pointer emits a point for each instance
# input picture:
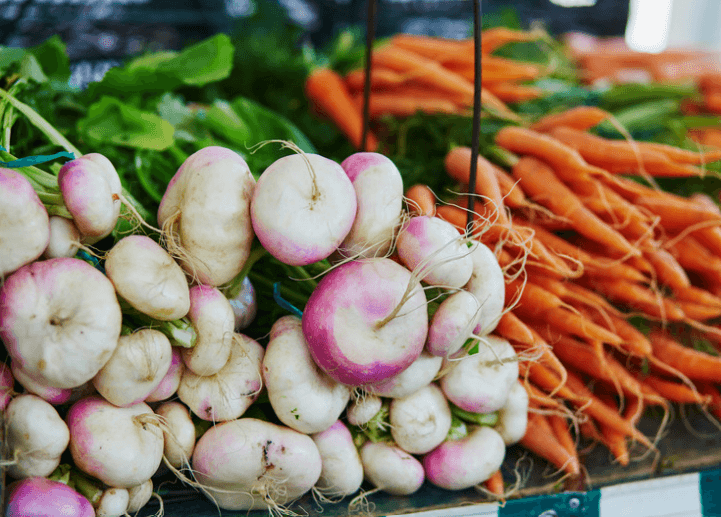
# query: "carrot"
(634, 343)
(547, 357)
(494, 70)
(698, 311)
(436, 49)
(513, 329)
(709, 236)
(693, 256)
(326, 89)
(566, 161)
(668, 271)
(639, 263)
(676, 213)
(512, 93)
(512, 193)
(612, 439)
(541, 440)
(579, 117)
(563, 434)
(539, 398)
(673, 391)
(494, 484)
(380, 78)
(496, 106)
(540, 182)
(569, 291)
(421, 200)
(692, 363)
(696, 294)
(714, 395)
(401, 105)
(684, 156)
(494, 38)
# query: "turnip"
(487, 284)
(453, 323)
(122, 447)
(55, 396)
(113, 503)
(513, 416)
(302, 396)
(139, 496)
(419, 374)
(24, 222)
(363, 408)
(303, 207)
(379, 193)
(480, 383)
(245, 305)
(366, 321)
(342, 472)
(41, 497)
(35, 437)
(391, 469)
(463, 463)
(421, 421)
(60, 321)
(433, 248)
(205, 214)
(91, 190)
(252, 464)
(213, 320)
(179, 433)
(169, 384)
(227, 394)
(148, 278)
(136, 368)
(64, 238)
(7, 383)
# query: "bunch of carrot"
(420, 73)
(585, 248)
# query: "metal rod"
(370, 36)
(475, 135)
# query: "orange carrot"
(421, 200)
(685, 156)
(668, 271)
(693, 256)
(637, 297)
(694, 364)
(540, 182)
(494, 484)
(512, 193)
(380, 78)
(673, 391)
(676, 213)
(562, 432)
(513, 329)
(436, 49)
(492, 39)
(539, 398)
(709, 236)
(541, 440)
(612, 439)
(579, 117)
(698, 295)
(327, 91)
(634, 343)
(698, 311)
(512, 93)
(401, 105)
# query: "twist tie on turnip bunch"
(34, 160)
(93, 261)
(285, 304)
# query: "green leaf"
(224, 121)
(206, 62)
(53, 58)
(111, 121)
(30, 68)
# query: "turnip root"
(302, 209)
(64, 238)
(250, 464)
(379, 193)
(342, 472)
(136, 368)
(391, 469)
(179, 433)
(363, 409)
(205, 214)
(302, 396)
(91, 190)
(60, 321)
(113, 503)
(213, 320)
(433, 248)
(488, 285)
(513, 416)
(169, 384)
(54, 396)
(139, 496)
(122, 447)
(421, 421)
(148, 278)
(419, 374)
(227, 394)
(7, 383)
(245, 305)
(35, 437)
(366, 321)
(480, 383)
(463, 463)
(41, 497)
(24, 222)
(452, 324)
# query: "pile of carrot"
(586, 248)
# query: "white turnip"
(391, 469)
(513, 416)
(113, 503)
(54, 396)
(179, 432)
(363, 408)
(419, 374)
(342, 472)
(488, 285)
(169, 384)
(139, 496)
(64, 238)
(41, 497)
(453, 323)
(421, 421)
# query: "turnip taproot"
(41, 497)
(169, 384)
(303, 207)
(60, 320)
(391, 469)
(379, 193)
(488, 285)
(64, 238)
(139, 496)
(35, 437)
(366, 321)
(303, 397)
(421, 421)
(179, 433)
(113, 503)
(249, 464)
(342, 472)
(24, 222)
(122, 447)
(148, 278)
(205, 214)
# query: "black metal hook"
(475, 135)
(370, 37)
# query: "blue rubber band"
(34, 160)
(284, 303)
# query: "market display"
(223, 290)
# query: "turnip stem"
(490, 419)
(235, 286)
(288, 294)
(180, 332)
(51, 199)
(92, 491)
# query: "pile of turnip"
(133, 364)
